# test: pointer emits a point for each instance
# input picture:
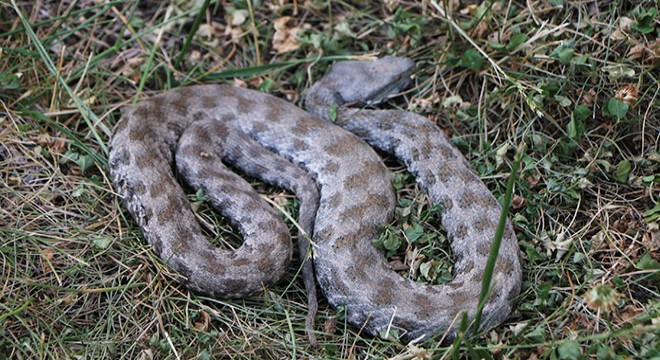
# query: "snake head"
(359, 83)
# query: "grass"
(576, 82)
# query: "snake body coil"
(273, 140)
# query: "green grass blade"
(86, 113)
(193, 30)
(497, 241)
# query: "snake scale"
(325, 156)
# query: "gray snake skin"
(346, 195)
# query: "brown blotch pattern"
(469, 199)
(121, 125)
(344, 145)
(445, 151)
(425, 305)
(331, 167)
(180, 104)
(455, 284)
(259, 127)
(384, 295)
(198, 115)
(484, 223)
(300, 145)
(483, 249)
(208, 101)
(363, 177)
(138, 134)
(459, 299)
(354, 212)
(462, 231)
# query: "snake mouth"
(398, 77)
(400, 82)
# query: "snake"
(328, 156)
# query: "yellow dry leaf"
(46, 257)
(238, 17)
(628, 94)
(284, 39)
(648, 52)
(470, 9)
(392, 5)
(203, 323)
(480, 30)
(235, 33)
(625, 23)
(636, 52)
(602, 297)
(624, 28)
(239, 83)
(588, 98)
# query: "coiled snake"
(345, 192)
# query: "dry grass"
(78, 281)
